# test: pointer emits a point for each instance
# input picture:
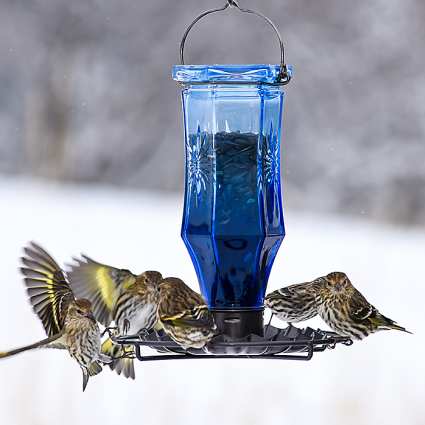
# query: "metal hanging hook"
(284, 75)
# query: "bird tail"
(92, 370)
(123, 365)
(400, 328)
(387, 323)
(44, 343)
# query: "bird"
(68, 321)
(346, 311)
(119, 296)
(184, 315)
(293, 303)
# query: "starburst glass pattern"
(199, 163)
(271, 158)
(269, 180)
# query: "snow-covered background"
(377, 381)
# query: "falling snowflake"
(199, 163)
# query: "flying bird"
(119, 296)
(184, 315)
(347, 311)
(68, 321)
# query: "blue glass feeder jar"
(233, 217)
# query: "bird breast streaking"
(347, 311)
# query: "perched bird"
(69, 322)
(347, 311)
(184, 315)
(119, 296)
(294, 303)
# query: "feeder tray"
(290, 343)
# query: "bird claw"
(126, 355)
(143, 334)
(268, 324)
(320, 332)
(108, 330)
(126, 326)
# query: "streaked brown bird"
(347, 311)
(69, 322)
(294, 303)
(184, 315)
(119, 296)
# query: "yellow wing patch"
(47, 287)
(106, 286)
(99, 283)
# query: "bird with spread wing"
(118, 296)
(68, 321)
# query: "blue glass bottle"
(233, 218)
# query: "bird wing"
(199, 316)
(181, 306)
(47, 288)
(295, 291)
(278, 294)
(359, 308)
(99, 283)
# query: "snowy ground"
(377, 381)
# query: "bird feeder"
(233, 223)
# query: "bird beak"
(338, 287)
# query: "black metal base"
(237, 324)
(290, 343)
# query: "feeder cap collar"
(245, 74)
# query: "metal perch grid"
(290, 343)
